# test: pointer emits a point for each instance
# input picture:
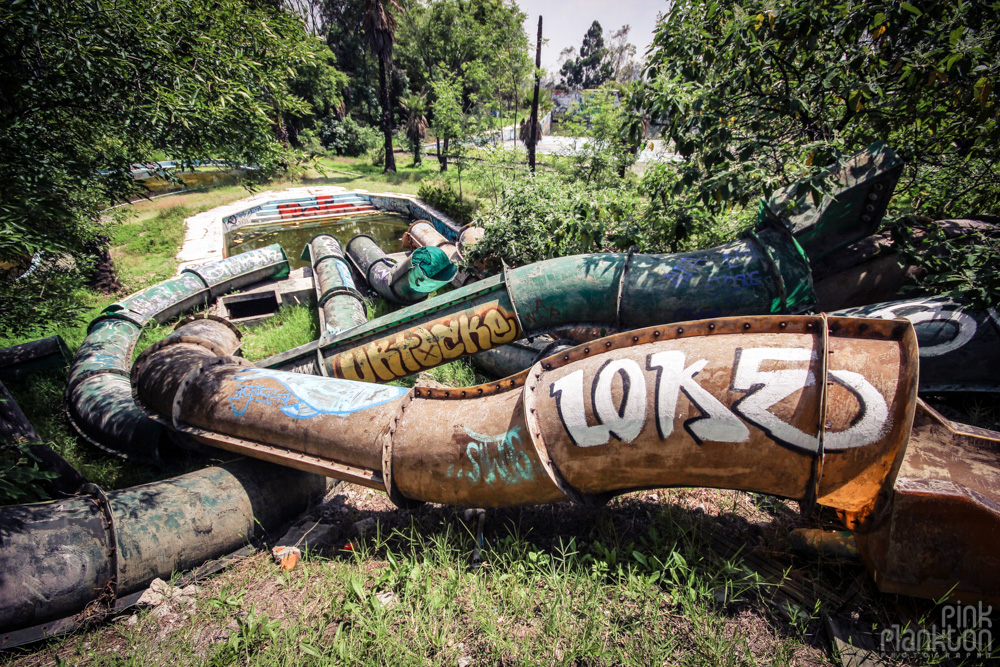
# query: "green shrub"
(377, 154)
(348, 137)
(440, 195)
(545, 216)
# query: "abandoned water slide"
(815, 409)
(767, 271)
(818, 409)
(59, 556)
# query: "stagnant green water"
(386, 228)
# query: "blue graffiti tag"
(307, 396)
(684, 270)
(510, 463)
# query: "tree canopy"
(89, 87)
(759, 95)
(481, 42)
(593, 67)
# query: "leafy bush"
(310, 144)
(967, 270)
(377, 154)
(348, 137)
(440, 195)
(546, 216)
(20, 477)
(45, 298)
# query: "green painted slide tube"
(764, 272)
(59, 556)
(99, 396)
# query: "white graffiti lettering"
(626, 418)
(717, 425)
(624, 422)
(933, 342)
(765, 388)
(874, 419)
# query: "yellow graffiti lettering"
(413, 350)
(428, 353)
(405, 344)
(449, 339)
(463, 327)
(482, 333)
(384, 361)
(502, 329)
(353, 366)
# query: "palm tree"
(380, 31)
(416, 124)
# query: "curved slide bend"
(818, 409)
(98, 395)
(765, 272)
(58, 556)
(795, 406)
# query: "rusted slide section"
(422, 234)
(424, 271)
(959, 345)
(940, 534)
(795, 406)
(872, 270)
(817, 409)
(57, 557)
(98, 395)
(764, 272)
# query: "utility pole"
(534, 132)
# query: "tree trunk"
(443, 155)
(390, 159)
(534, 133)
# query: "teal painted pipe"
(98, 394)
(341, 305)
(407, 282)
(764, 272)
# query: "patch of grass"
(290, 327)
(145, 251)
(41, 398)
(633, 584)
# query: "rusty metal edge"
(96, 493)
(621, 287)
(215, 318)
(846, 327)
(297, 460)
(872, 515)
(397, 498)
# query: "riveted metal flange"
(550, 467)
(397, 498)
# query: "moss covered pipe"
(424, 271)
(57, 557)
(340, 304)
(98, 394)
(764, 272)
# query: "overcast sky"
(565, 22)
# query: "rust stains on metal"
(938, 531)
